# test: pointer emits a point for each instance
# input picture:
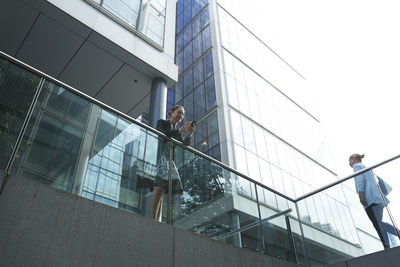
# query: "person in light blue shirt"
(372, 201)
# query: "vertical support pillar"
(158, 101)
(158, 106)
(303, 238)
(235, 222)
(291, 239)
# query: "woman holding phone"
(160, 187)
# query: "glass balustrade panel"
(77, 146)
(208, 201)
(17, 90)
(277, 236)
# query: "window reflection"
(196, 74)
(146, 16)
(52, 141)
(17, 89)
(53, 153)
(114, 170)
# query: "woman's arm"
(188, 137)
(360, 184)
(164, 127)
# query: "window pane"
(17, 88)
(53, 153)
(187, 56)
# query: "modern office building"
(244, 96)
(74, 73)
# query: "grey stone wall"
(386, 258)
(42, 226)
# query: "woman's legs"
(374, 213)
(156, 200)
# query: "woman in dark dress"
(168, 127)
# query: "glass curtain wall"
(145, 16)
(195, 89)
(276, 141)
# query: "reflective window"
(248, 135)
(253, 166)
(195, 88)
(269, 107)
(148, 17)
(236, 127)
(53, 138)
(197, 47)
(105, 130)
(206, 136)
(196, 26)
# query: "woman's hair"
(172, 110)
(357, 157)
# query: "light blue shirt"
(365, 183)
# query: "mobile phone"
(193, 123)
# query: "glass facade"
(274, 140)
(145, 16)
(195, 89)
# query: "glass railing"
(56, 135)
(211, 202)
(61, 137)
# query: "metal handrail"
(345, 178)
(132, 120)
(254, 224)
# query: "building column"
(235, 222)
(158, 105)
(158, 101)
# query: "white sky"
(349, 52)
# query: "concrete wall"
(386, 258)
(42, 226)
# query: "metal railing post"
(386, 204)
(291, 239)
(259, 216)
(169, 204)
(303, 238)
